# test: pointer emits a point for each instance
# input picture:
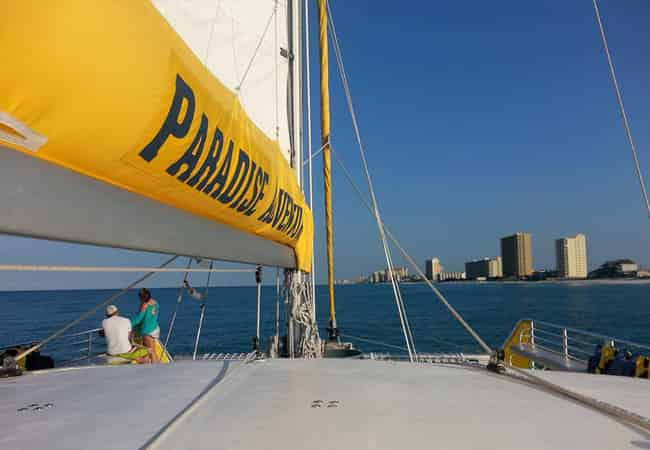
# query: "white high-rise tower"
(571, 256)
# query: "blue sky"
(480, 119)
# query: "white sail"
(245, 44)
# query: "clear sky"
(480, 119)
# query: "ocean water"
(619, 309)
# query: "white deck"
(268, 405)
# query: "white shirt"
(116, 331)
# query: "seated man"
(117, 331)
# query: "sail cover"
(114, 91)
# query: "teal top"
(146, 321)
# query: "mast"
(302, 331)
(325, 142)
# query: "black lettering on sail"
(251, 174)
(210, 163)
(263, 181)
(267, 216)
(220, 179)
(192, 154)
(173, 126)
(295, 220)
(287, 214)
(241, 171)
(280, 209)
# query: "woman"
(146, 322)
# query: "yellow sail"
(109, 90)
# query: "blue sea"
(620, 309)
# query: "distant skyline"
(479, 120)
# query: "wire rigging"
(179, 298)
(309, 151)
(619, 99)
(410, 260)
(91, 311)
(203, 300)
(259, 44)
(206, 58)
(373, 208)
(276, 68)
(408, 336)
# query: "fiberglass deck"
(271, 405)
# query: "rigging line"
(259, 44)
(414, 265)
(371, 341)
(619, 98)
(178, 302)
(346, 87)
(277, 307)
(91, 311)
(32, 268)
(205, 298)
(400, 301)
(451, 309)
(613, 411)
(277, 87)
(318, 152)
(214, 23)
(309, 152)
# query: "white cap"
(110, 310)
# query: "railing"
(431, 358)
(70, 348)
(571, 343)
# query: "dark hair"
(144, 292)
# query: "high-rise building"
(484, 268)
(433, 269)
(452, 276)
(401, 273)
(571, 256)
(517, 255)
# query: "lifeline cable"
(92, 311)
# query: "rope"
(259, 44)
(258, 317)
(371, 341)
(309, 152)
(375, 208)
(205, 299)
(178, 302)
(91, 311)
(600, 406)
(318, 152)
(408, 257)
(214, 22)
(277, 305)
(33, 268)
(301, 318)
(619, 98)
(277, 88)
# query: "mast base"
(333, 334)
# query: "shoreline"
(604, 281)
